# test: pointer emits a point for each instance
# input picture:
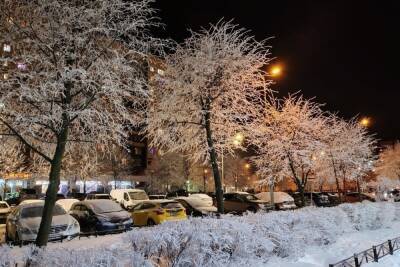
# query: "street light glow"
(365, 121)
(276, 71)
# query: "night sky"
(343, 53)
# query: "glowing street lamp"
(365, 122)
(275, 71)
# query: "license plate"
(173, 213)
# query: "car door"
(142, 214)
(88, 220)
(241, 204)
(229, 203)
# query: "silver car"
(23, 223)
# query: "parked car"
(312, 199)
(352, 197)
(128, 198)
(24, 221)
(282, 200)
(4, 211)
(97, 196)
(178, 193)
(157, 211)
(27, 193)
(76, 195)
(58, 196)
(157, 197)
(196, 207)
(101, 215)
(66, 203)
(240, 202)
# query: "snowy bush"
(252, 239)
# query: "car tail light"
(159, 211)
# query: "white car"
(4, 211)
(66, 203)
(23, 223)
(197, 206)
(128, 198)
(202, 198)
(282, 200)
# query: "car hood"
(114, 217)
(34, 223)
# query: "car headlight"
(129, 222)
(74, 226)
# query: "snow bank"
(252, 239)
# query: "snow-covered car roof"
(279, 197)
(4, 207)
(66, 203)
(197, 201)
(31, 201)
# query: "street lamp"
(365, 122)
(275, 71)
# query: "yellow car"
(157, 211)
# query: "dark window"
(126, 197)
(146, 206)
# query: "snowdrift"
(230, 241)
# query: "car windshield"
(102, 197)
(251, 197)
(138, 195)
(3, 206)
(36, 211)
(171, 205)
(105, 207)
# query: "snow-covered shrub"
(202, 242)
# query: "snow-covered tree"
(76, 75)
(170, 170)
(388, 164)
(209, 92)
(289, 141)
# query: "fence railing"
(370, 255)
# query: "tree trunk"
(214, 165)
(302, 198)
(271, 195)
(338, 189)
(359, 190)
(51, 193)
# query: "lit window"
(7, 48)
(161, 72)
(5, 64)
(151, 69)
(5, 76)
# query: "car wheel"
(150, 222)
(252, 209)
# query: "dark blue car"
(101, 216)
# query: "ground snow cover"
(308, 237)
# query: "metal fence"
(370, 255)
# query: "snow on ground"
(309, 237)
